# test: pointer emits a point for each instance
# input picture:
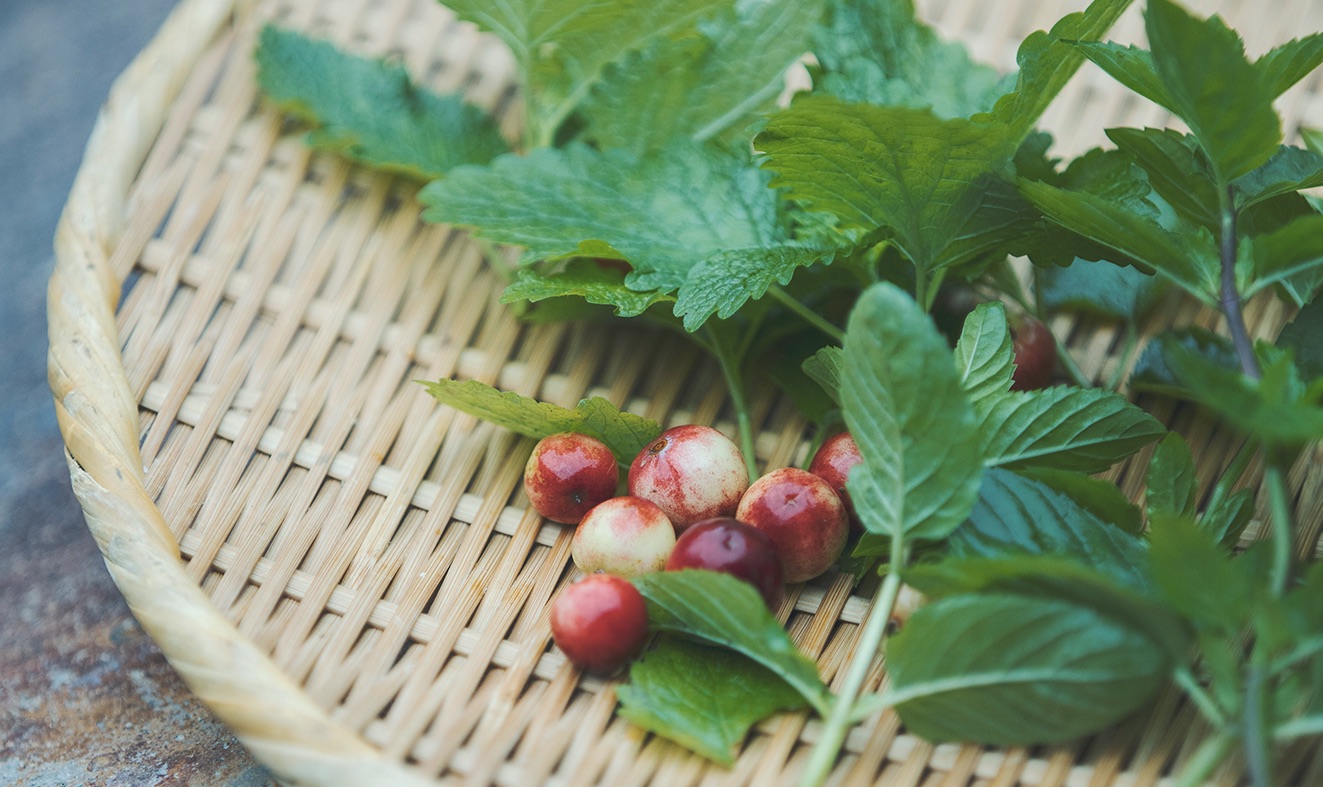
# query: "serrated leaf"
(663, 214)
(1028, 670)
(624, 433)
(1216, 91)
(825, 368)
(1100, 288)
(370, 111)
(1154, 370)
(1293, 253)
(985, 353)
(1177, 169)
(722, 610)
(1304, 337)
(585, 279)
(1283, 66)
(702, 84)
(703, 698)
(1066, 428)
(1018, 515)
(1171, 483)
(1196, 575)
(1131, 66)
(1101, 498)
(906, 409)
(725, 281)
(1047, 62)
(1290, 169)
(878, 52)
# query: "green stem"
(735, 383)
(1280, 507)
(838, 722)
(1201, 698)
(921, 288)
(1127, 354)
(1230, 296)
(1073, 370)
(1254, 726)
(805, 313)
(1205, 760)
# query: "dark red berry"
(568, 474)
(1035, 353)
(600, 622)
(802, 516)
(832, 463)
(731, 547)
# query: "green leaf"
(1100, 288)
(985, 353)
(663, 214)
(1177, 169)
(905, 407)
(1226, 519)
(896, 168)
(725, 281)
(1021, 516)
(722, 610)
(1291, 169)
(1101, 498)
(1028, 670)
(624, 433)
(1293, 253)
(1216, 91)
(1303, 337)
(1283, 66)
(1047, 62)
(1132, 67)
(1154, 370)
(1171, 481)
(825, 367)
(583, 278)
(1066, 428)
(1196, 575)
(369, 111)
(704, 699)
(878, 52)
(704, 83)
(561, 46)
(1189, 258)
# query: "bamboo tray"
(345, 571)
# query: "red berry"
(568, 474)
(600, 622)
(1035, 353)
(732, 547)
(693, 472)
(832, 463)
(624, 535)
(802, 516)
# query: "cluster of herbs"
(658, 179)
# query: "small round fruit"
(731, 547)
(1035, 353)
(832, 463)
(568, 474)
(693, 472)
(624, 535)
(802, 516)
(600, 622)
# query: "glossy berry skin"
(1035, 353)
(568, 474)
(802, 516)
(626, 536)
(832, 463)
(731, 547)
(600, 622)
(693, 472)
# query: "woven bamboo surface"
(347, 572)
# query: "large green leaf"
(722, 610)
(1065, 428)
(1198, 576)
(625, 433)
(703, 698)
(1177, 169)
(985, 353)
(1154, 371)
(1100, 497)
(1027, 670)
(1293, 253)
(1222, 97)
(1289, 63)
(703, 83)
(1119, 292)
(725, 281)
(1304, 337)
(369, 110)
(1132, 67)
(1289, 170)
(584, 278)
(1021, 516)
(878, 52)
(908, 412)
(1171, 483)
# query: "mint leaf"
(1293, 253)
(583, 278)
(1047, 62)
(920, 178)
(704, 699)
(1214, 88)
(624, 433)
(1177, 169)
(561, 46)
(700, 84)
(1018, 515)
(1100, 288)
(725, 281)
(1226, 519)
(1289, 170)
(1302, 336)
(906, 409)
(1196, 575)
(1066, 428)
(878, 52)
(1171, 481)
(1283, 66)
(1154, 371)
(369, 110)
(1028, 670)
(985, 353)
(663, 214)
(1132, 67)
(825, 367)
(1101, 498)
(722, 610)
